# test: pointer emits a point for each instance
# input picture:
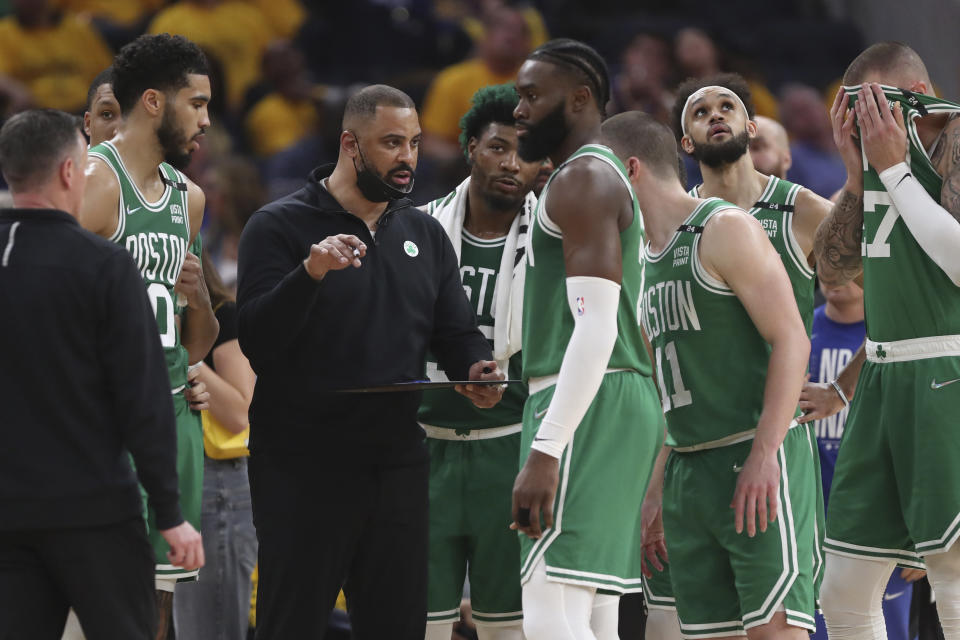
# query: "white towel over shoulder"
(507, 308)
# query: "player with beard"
(714, 119)
(473, 452)
(592, 423)
(137, 196)
(715, 286)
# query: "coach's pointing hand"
(334, 253)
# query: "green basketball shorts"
(724, 582)
(896, 487)
(471, 486)
(604, 471)
(190, 474)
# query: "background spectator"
(816, 163)
(49, 54)
(645, 72)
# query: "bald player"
(895, 498)
(770, 149)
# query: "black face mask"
(373, 187)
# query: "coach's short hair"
(363, 104)
(161, 62)
(884, 58)
(637, 134)
(732, 81)
(33, 144)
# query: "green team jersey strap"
(711, 361)
(899, 278)
(775, 209)
(156, 234)
(547, 319)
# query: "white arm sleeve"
(932, 226)
(593, 303)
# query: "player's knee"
(663, 624)
(499, 632)
(777, 629)
(944, 572)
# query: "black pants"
(323, 526)
(105, 573)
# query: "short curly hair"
(493, 103)
(160, 62)
(732, 81)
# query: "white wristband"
(843, 396)
(593, 303)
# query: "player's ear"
(580, 98)
(86, 123)
(921, 87)
(153, 101)
(686, 143)
(348, 143)
(752, 129)
(471, 147)
(633, 167)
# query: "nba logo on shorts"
(581, 306)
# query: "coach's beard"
(543, 138)
(721, 153)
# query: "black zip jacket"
(83, 380)
(356, 327)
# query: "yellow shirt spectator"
(125, 12)
(450, 94)
(56, 63)
(276, 122)
(285, 16)
(234, 31)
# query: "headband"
(699, 93)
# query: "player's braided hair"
(160, 62)
(732, 81)
(494, 103)
(581, 59)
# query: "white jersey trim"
(913, 349)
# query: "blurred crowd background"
(284, 68)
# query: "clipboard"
(423, 385)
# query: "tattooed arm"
(837, 243)
(837, 240)
(949, 167)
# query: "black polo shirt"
(83, 381)
(356, 327)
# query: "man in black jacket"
(82, 371)
(345, 284)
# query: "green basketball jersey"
(156, 234)
(711, 360)
(906, 295)
(547, 317)
(479, 266)
(775, 210)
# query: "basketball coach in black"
(345, 284)
(83, 387)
